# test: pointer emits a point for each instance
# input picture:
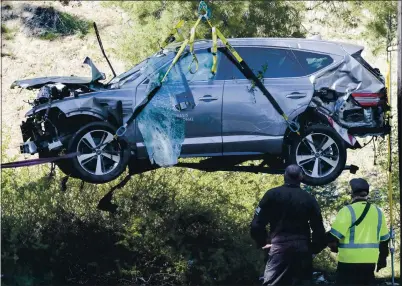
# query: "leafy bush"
(6, 32)
(47, 23)
(173, 226)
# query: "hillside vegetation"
(174, 226)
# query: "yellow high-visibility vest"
(359, 244)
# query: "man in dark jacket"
(290, 212)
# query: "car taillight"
(368, 99)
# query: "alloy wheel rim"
(99, 152)
(317, 154)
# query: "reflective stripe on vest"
(379, 222)
(352, 243)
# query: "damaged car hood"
(35, 83)
(38, 82)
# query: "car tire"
(102, 158)
(321, 153)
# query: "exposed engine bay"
(44, 129)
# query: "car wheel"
(321, 153)
(102, 158)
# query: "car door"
(198, 102)
(250, 124)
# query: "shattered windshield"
(156, 61)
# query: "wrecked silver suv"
(326, 87)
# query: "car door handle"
(296, 95)
(208, 98)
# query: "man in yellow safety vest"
(360, 236)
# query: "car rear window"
(275, 63)
(312, 62)
(358, 57)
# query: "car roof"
(316, 45)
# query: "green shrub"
(173, 226)
(48, 23)
(6, 32)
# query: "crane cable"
(390, 189)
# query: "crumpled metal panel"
(38, 82)
(346, 76)
(91, 103)
(34, 83)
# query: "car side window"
(182, 68)
(272, 62)
(205, 61)
(313, 62)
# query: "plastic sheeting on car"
(161, 127)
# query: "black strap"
(249, 74)
(363, 215)
(138, 110)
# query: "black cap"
(359, 185)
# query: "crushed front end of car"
(43, 130)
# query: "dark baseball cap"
(359, 185)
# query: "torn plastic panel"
(95, 73)
(162, 130)
(161, 127)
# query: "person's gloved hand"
(381, 263)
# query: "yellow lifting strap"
(226, 43)
(182, 47)
(214, 51)
(176, 58)
(294, 126)
(239, 59)
(191, 43)
(175, 30)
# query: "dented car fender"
(74, 106)
(343, 132)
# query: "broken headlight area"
(363, 114)
(40, 134)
